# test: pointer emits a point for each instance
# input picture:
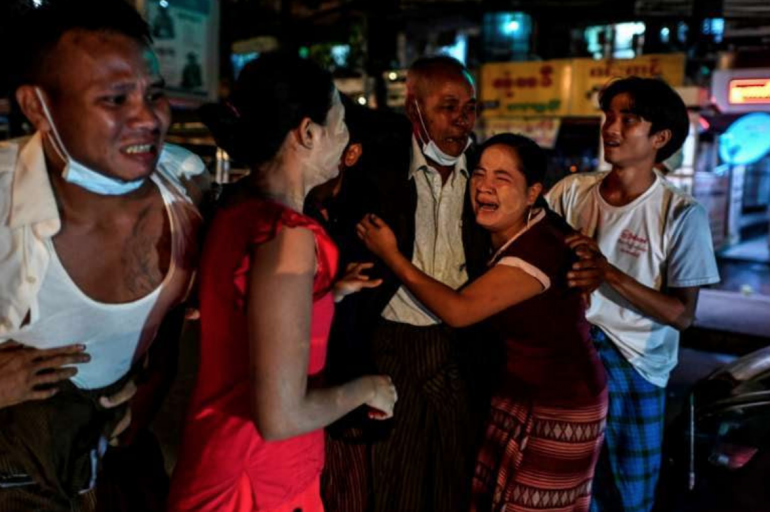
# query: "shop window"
(620, 40)
(714, 28)
(507, 36)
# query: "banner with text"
(521, 89)
(543, 130)
(590, 76)
(565, 87)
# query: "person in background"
(545, 427)
(653, 253)
(254, 436)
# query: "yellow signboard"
(590, 76)
(566, 87)
(543, 130)
(522, 89)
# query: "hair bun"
(224, 123)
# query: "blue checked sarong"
(627, 472)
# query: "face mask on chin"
(431, 150)
(78, 174)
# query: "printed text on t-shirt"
(632, 244)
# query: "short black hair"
(655, 101)
(39, 29)
(270, 98)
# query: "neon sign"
(749, 91)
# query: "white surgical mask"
(78, 174)
(431, 150)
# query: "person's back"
(219, 418)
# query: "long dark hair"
(271, 97)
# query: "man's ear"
(305, 133)
(661, 138)
(352, 154)
(411, 108)
(32, 108)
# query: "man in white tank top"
(98, 226)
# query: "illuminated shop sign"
(741, 91)
(749, 91)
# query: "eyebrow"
(622, 111)
(131, 86)
(456, 99)
(493, 171)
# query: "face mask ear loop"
(419, 115)
(57, 145)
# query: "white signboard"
(185, 39)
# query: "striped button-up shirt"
(438, 245)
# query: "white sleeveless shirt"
(115, 335)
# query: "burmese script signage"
(565, 87)
(590, 76)
(513, 89)
(543, 130)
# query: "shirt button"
(6, 322)
(31, 279)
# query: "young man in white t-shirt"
(654, 252)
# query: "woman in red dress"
(254, 435)
(546, 423)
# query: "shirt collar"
(538, 217)
(32, 195)
(419, 162)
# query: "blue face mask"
(78, 174)
(431, 150)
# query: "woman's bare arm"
(280, 299)
(499, 288)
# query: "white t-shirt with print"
(661, 239)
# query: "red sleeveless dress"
(224, 464)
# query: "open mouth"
(486, 206)
(142, 150)
(457, 140)
(611, 144)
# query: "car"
(717, 451)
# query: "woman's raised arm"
(499, 288)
